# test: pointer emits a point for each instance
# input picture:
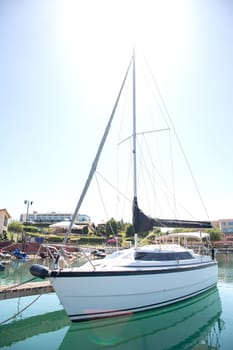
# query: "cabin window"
(152, 256)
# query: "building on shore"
(53, 217)
(4, 218)
(226, 227)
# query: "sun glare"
(94, 30)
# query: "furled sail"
(143, 223)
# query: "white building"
(52, 217)
(225, 225)
(4, 217)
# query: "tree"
(129, 232)
(111, 228)
(215, 234)
(16, 226)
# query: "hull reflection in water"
(20, 330)
(193, 324)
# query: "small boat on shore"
(19, 254)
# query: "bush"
(92, 240)
(31, 229)
(55, 239)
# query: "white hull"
(189, 322)
(91, 295)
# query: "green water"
(204, 322)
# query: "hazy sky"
(61, 66)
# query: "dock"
(26, 289)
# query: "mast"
(134, 144)
(134, 131)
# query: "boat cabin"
(163, 256)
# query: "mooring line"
(18, 284)
(20, 311)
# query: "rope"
(19, 284)
(20, 311)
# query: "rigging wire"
(105, 210)
(142, 161)
(141, 171)
(169, 191)
(177, 137)
(173, 176)
(101, 197)
(114, 187)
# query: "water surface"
(204, 322)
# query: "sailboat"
(138, 278)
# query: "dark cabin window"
(151, 256)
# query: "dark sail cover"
(143, 223)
